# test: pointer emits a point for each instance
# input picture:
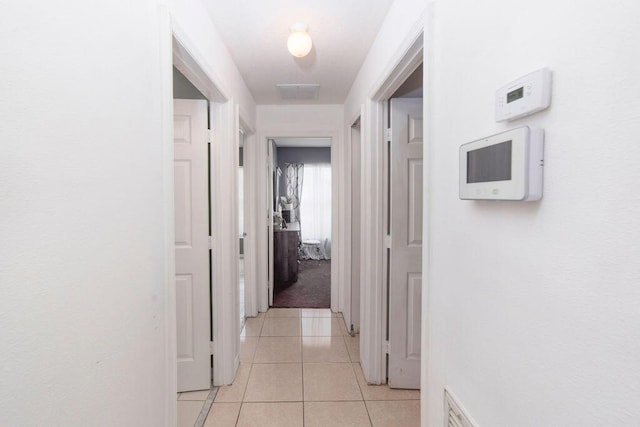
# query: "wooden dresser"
(285, 255)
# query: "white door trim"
(178, 50)
(226, 247)
(373, 296)
(259, 190)
(250, 223)
(372, 254)
(270, 202)
(347, 308)
(169, 293)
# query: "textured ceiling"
(256, 31)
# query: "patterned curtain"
(295, 174)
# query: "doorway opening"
(192, 230)
(382, 221)
(221, 342)
(302, 214)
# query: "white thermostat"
(524, 96)
(506, 166)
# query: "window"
(315, 205)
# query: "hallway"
(524, 312)
(300, 367)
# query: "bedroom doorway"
(302, 214)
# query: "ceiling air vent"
(298, 91)
(455, 415)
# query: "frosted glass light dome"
(299, 42)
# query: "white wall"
(398, 26)
(190, 19)
(299, 121)
(83, 310)
(534, 306)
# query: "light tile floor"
(299, 367)
(189, 406)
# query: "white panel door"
(405, 269)
(192, 243)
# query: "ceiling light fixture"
(299, 42)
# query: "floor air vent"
(455, 415)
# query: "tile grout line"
(250, 369)
(238, 416)
(366, 408)
(246, 386)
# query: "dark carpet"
(312, 290)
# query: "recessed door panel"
(414, 304)
(181, 129)
(414, 220)
(184, 317)
(182, 185)
(415, 130)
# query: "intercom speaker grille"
(298, 91)
(455, 415)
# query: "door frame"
(250, 221)
(338, 216)
(177, 50)
(373, 298)
(348, 312)
(250, 224)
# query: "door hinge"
(387, 134)
(210, 136)
(211, 348)
(387, 241)
(210, 243)
(386, 347)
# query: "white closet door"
(192, 244)
(405, 284)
